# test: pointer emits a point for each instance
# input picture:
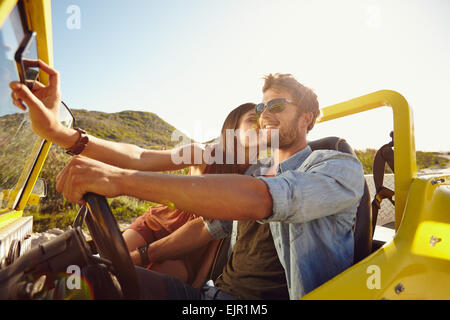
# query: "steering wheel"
(108, 239)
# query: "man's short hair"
(304, 97)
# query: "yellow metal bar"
(404, 146)
(6, 7)
(39, 15)
(40, 20)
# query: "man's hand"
(84, 175)
(42, 101)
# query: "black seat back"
(363, 224)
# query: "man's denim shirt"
(315, 197)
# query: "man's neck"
(284, 154)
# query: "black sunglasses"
(274, 106)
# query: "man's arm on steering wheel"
(43, 104)
(212, 196)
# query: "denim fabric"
(315, 197)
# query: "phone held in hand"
(27, 60)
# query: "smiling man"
(294, 224)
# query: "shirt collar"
(294, 161)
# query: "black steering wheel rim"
(110, 244)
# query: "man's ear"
(306, 119)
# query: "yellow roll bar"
(404, 150)
(6, 7)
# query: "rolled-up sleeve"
(326, 185)
(219, 229)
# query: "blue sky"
(191, 62)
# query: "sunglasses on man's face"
(274, 106)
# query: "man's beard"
(288, 135)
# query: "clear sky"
(191, 62)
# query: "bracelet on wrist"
(143, 253)
(80, 144)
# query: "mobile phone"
(27, 60)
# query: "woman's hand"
(42, 101)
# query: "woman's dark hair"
(231, 122)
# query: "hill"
(424, 160)
(144, 129)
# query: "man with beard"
(294, 217)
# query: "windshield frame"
(18, 20)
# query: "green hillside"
(424, 160)
(144, 129)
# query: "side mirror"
(39, 191)
(65, 115)
(40, 188)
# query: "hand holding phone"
(43, 102)
(27, 60)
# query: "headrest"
(331, 143)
